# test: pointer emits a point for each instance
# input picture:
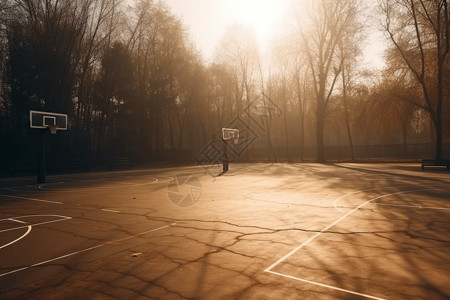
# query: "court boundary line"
(42, 187)
(414, 206)
(289, 254)
(32, 199)
(116, 185)
(325, 285)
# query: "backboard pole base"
(225, 167)
(41, 158)
(225, 157)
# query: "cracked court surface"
(261, 231)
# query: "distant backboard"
(42, 119)
(230, 134)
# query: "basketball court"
(259, 231)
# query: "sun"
(262, 16)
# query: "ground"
(260, 231)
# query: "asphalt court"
(261, 231)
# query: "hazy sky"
(207, 21)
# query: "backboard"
(230, 134)
(43, 120)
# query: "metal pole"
(41, 158)
(225, 157)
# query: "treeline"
(133, 84)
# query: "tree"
(420, 32)
(163, 61)
(4, 70)
(302, 86)
(41, 40)
(238, 53)
(114, 98)
(349, 50)
(96, 21)
(288, 72)
(326, 24)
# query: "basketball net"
(235, 136)
(52, 128)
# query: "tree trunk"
(320, 127)
(302, 116)
(438, 150)
(285, 120)
(350, 140)
(347, 115)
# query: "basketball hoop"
(52, 128)
(230, 134)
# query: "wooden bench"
(22, 165)
(435, 163)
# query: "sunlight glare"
(262, 16)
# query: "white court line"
(115, 185)
(28, 226)
(18, 221)
(110, 210)
(333, 224)
(338, 207)
(62, 218)
(31, 199)
(360, 191)
(349, 194)
(18, 239)
(326, 286)
(50, 260)
(81, 251)
(413, 206)
(138, 234)
(269, 269)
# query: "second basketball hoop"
(230, 134)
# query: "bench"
(435, 163)
(120, 162)
(22, 165)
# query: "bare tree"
(288, 73)
(328, 21)
(98, 16)
(349, 50)
(4, 72)
(238, 52)
(164, 64)
(420, 31)
(302, 86)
